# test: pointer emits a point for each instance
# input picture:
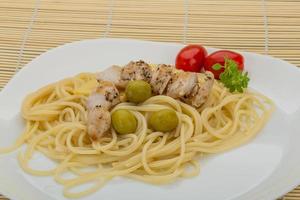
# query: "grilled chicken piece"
(111, 74)
(109, 90)
(161, 76)
(201, 90)
(96, 99)
(98, 104)
(182, 84)
(99, 121)
(135, 71)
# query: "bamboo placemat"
(30, 27)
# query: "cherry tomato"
(191, 58)
(219, 57)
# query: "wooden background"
(31, 27)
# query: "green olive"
(123, 121)
(164, 120)
(138, 91)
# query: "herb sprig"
(232, 77)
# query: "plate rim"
(7, 86)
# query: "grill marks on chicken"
(182, 84)
(200, 91)
(192, 88)
(135, 71)
(109, 90)
(161, 76)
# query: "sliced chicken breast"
(201, 91)
(135, 71)
(182, 84)
(111, 74)
(109, 90)
(98, 105)
(161, 76)
(97, 100)
(192, 88)
(98, 122)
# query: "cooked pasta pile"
(56, 118)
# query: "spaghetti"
(56, 118)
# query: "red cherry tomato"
(219, 57)
(191, 58)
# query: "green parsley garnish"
(232, 77)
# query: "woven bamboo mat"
(30, 27)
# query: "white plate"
(265, 168)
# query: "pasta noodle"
(56, 120)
